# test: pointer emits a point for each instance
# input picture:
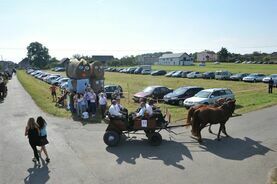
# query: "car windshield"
(252, 75)
(148, 89)
(203, 94)
(273, 75)
(179, 91)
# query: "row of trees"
(124, 61)
(38, 56)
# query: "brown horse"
(218, 103)
(213, 115)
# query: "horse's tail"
(195, 123)
(189, 116)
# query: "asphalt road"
(78, 154)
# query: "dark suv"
(178, 96)
(154, 92)
(109, 89)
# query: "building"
(63, 62)
(180, 59)
(103, 59)
(206, 55)
(150, 59)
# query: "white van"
(222, 75)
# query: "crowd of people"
(84, 105)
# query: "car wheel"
(206, 103)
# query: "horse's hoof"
(218, 139)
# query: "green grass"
(250, 96)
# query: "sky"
(131, 27)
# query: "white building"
(206, 55)
(176, 59)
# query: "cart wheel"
(111, 138)
(155, 139)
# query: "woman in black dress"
(32, 131)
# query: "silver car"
(273, 76)
(254, 77)
(209, 96)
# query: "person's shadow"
(234, 148)
(38, 174)
(170, 152)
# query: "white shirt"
(149, 109)
(119, 107)
(113, 110)
(102, 100)
(91, 97)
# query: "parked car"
(30, 70)
(222, 75)
(254, 77)
(238, 76)
(131, 70)
(35, 72)
(51, 78)
(64, 85)
(177, 74)
(209, 96)
(155, 92)
(138, 70)
(158, 72)
(60, 81)
(146, 72)
(194, 75)
(178, 96)
(273, 76)
(208, 75)
(185, 74)
(169, 74)
(59, 69)
(109, 90)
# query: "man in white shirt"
(114, 110)
(142, 109)
(103, 104)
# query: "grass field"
(250, 96)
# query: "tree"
(223, 54)
(38, 55)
